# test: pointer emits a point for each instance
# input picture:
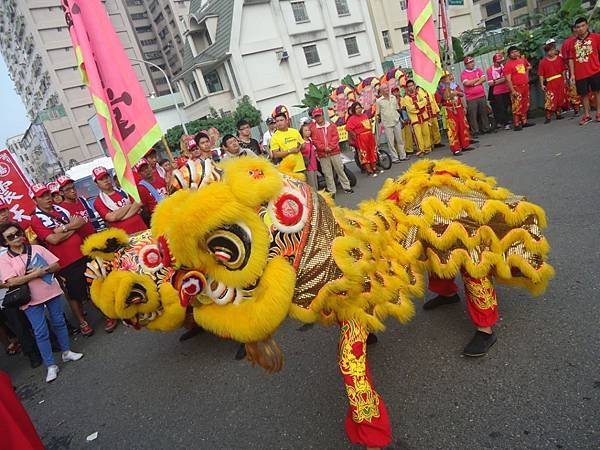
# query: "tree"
(457, 49)
(246, 110)
(315, 96)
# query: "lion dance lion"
(252, 246)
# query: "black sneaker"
(467, 149)
(518, 128)
(440, 300)
(480, 344)
(241, 353)
(349, 191)
(372, 339)
(457, 153)
(528, 124)
(191, 333)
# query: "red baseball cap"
(140, 163)
(317, 112)
(468, 59)
(63, 180)
(53, 187)
(38, 189)
(99, 172)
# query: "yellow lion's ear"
(287, 167)
(103, 245)
(252, 180)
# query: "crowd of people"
(46, 253)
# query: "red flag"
(14, 189)
(128, 123)
(424, 48)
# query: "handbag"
(18, 296)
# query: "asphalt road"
(539, 387)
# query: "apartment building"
(390, 21)
(36, 46)
(158, 27)
(20, 155)
(271, 50)
(511, 13)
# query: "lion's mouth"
(142, 319)
(137, 296)
(219, 293)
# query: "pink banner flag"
(424, 48)
(127, 121)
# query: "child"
(309, 152)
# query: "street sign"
(456, 2)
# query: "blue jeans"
(36, 315)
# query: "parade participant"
(433, 112)
(116, 206)
(386, 109)
(309, 153)
(473, 80)
(151, 187)
(54, 189)
(59, 230)
(407, 132)
(516, 71)
(76, 205)
(449, 95)
(245, 138)
(499, 91)
(358, 126)
(152, 157)
(552, 74)
(203, 148)
(415, 103)
(326, 138)
(35, 266)
(584, 66)
(286, 141)
(232, 148)
(266, 140)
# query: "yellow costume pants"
(423, 134)
(409, 146)
(436, 137)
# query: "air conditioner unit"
(282, 55)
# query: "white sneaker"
(71, 356)
(52, 373)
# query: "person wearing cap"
(499, 93)
(116, 206)
(76, 205)
(552, 72)
(231, 148)
(54, 189)
(326, 139)
(152, 157)
(151, 187)
(286, 141)
(584, 66)
(58, 229)
(473, 80)
(386, 110)
(516, 71)
(245, 139)
(266, 140)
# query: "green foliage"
(348, 81)
(315, 96)
(457, 49)
(246, 110)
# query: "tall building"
(158, 27)
(390, 22)
(36, 46)
(271, 50)
(21, 156)
(511, 13)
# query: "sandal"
(85, 329)
(13, 348)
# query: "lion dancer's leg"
(481, 305)
(367, 422)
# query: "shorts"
(76, 285)
(585, 85)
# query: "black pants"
(20, 326)
(501, 108)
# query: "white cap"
(550, 41)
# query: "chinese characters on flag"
(14, 189)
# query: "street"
(538, 388)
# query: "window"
(387, 41)
(147, 29)
(312, 55)
(138, 16)
(403, 4)
(163, 32)
(159, 18)
(194, 92)
(299, 10)
(147, 42)
(152, 55)
(405, 35)
(351, 46)
(342, 7)
(209, 41)
(493, 8)
(134, 2)
(213, 82)
(521, 20)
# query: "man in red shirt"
(152, 188)
(584, 65)
(516, 71)
(56, 227)
(115, 206)
(74, 204)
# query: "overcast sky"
(13, 117)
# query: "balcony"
(491, 9)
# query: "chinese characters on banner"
(14, 188)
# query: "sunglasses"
(13, 236)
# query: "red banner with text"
(14, 188)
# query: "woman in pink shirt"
(499, 91)
(35, 265)
(309, 152)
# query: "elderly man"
(386, 109)
(231, 148)
(326, 139)
(473, 80)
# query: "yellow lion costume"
(254, 246)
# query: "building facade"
(21, 156)
(271, 50)
(512, 13)
(36, 46)
(390, 21)
(158, 27)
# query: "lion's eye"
(150, 257)
(230, 245)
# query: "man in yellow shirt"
(416, 102)
(286, 141)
